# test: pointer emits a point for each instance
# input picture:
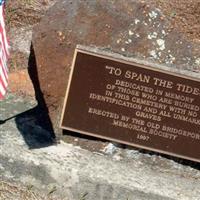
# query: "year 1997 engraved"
(142, 137)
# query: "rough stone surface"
(21, 39)
(20, 42)
(74, 173)
(130, 28)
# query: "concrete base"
(27, 158)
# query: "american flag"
(4, 47)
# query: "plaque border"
(102, 55)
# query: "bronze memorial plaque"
(133, 104)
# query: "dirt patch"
(20, 83)
(25, 12)
(13, 192)
(183, 14)
(17, 60)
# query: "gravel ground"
(10, 191)
(184, 15)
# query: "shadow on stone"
(34, 128)
(81, 136)
(181, 161)
(35, 124)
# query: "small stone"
(161, 18)
(197, 61)
(137, 35)
(60, 33)
(153, 14)
(117, 157)
(137, 21)
(163, 32)
(130, 32)
(154, 54)
(161, 44)
(110, 149)
(123, 49)
(129, 40)
(118, 41)
(152, 35)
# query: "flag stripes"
(4, 53)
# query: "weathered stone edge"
(147, 62)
